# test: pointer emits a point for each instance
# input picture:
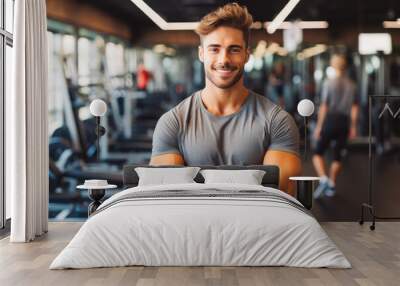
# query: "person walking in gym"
(337, 118)
(225, 123)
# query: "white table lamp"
(98, 107)
(305, 108)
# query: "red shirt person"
(143, 77)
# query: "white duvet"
(183, 231)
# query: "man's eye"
(237, 50)
(213, 50)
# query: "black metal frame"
(370, 206)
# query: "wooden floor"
(352, 188)
(375, 256)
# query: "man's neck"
(222, 102)
(340, 73)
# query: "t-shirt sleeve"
(166, 135)
(284, 133)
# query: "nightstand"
(96, 194)
(305, 189)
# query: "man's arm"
(167, 159)
(353, 116)
(165, 149)
(283, 149)
(323, 110)
(289, 165)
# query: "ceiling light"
(170, 52)
(372, 43)
(260, 49)
(301, 24)
(311, 52)
(248, 67)
(256, 25)
(313, 24)
(160, 22)
(282, 16)
(391, 24)
(181, 25)
(160, 48)
(275, 48)
(277, 23)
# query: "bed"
(201, 224)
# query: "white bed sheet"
(200, 231)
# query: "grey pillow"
(163, 176)
(248, 177)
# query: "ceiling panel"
(339, 13)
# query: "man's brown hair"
(230, 15)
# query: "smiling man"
(225, 123)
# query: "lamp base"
(305, 191)
(100, 131)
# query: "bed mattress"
(201, 225)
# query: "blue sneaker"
(330, 191)
(320, 190)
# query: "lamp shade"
(98, 107)
(305, 107)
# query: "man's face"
(224, 55)
(338, 63)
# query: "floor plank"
(375, 256)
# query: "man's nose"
(223, 57)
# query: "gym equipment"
(380, 94)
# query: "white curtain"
(26, 124)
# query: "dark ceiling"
(339, 13)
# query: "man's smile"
(225, 72)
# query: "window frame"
(6, 39)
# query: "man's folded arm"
(283, 150)
(289, 165)
(167, 159)
(165, 141)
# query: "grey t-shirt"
(339, 94)
(241, 138)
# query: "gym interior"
(142, 60)
(103, 49)
(83, 85)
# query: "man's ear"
(201, 53)
(247, 54)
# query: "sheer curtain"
(26, 124)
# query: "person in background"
(337, 118)
(277, 82)
(143, 76)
